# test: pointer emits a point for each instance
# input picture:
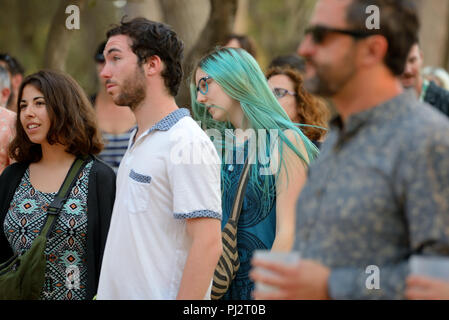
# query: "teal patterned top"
(66, 251)
(256, 226)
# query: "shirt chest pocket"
(139, 191)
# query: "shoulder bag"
(22, 276)
(229, 262)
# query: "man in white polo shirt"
(165, 236)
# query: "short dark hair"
(99, 57)
(399, 24)
(13, 66)
(291, 60)
(245, 42)
(73, 119)
(151, 38)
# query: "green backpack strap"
(55, 207)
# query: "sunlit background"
(31, 29)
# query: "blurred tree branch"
(220, 23)
(278, 26)
(186, 17)
(58, 41)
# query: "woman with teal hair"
(232, 100)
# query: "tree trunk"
(186, 17)
(219, 25)
(150, 9)
(241, 18)
(433, 34)
(278, 26)
(58, 41)
(446, 49)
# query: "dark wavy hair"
(151, 38)
(245, 42)
(310, 109)
(399, 24)
(290, 60)
(73, 119)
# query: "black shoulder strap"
(240, 193)
(55, 207)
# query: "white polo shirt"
(171, 173)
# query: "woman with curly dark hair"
(301, 107)
(55, 126)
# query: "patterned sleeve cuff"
(198, 214)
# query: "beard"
(133, 90)
(329, 79)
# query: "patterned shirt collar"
(163, 125)
(170, 120)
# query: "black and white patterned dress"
(66, 250)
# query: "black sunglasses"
(319, 33)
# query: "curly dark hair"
(151, 38)
(399, 24)
(73, 119)
(310, 109)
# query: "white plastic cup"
(430, 266)
(285, 258)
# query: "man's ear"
(374, 50)
(5, 93)
(153, 65)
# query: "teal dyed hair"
(241, 78)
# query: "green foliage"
(25, 24)
(278, 26)
(24, 28)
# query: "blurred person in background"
(426, 90)
(437, 75)
(291, 60)
(116, 123)
(7, 119)
(5, 87)
(16, 72)
(241, 41)
(301, 107)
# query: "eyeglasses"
(281, 92)
(319, 33)
(202, 85)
